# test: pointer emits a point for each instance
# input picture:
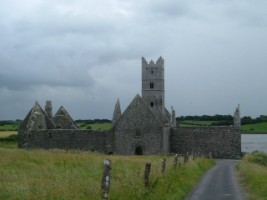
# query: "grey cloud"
(214, 53)
(73, 78)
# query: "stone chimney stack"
(48, 109)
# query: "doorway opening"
(139, 150)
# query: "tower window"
(151, 85)
(138, 132)
(151, 71)
(152, 104)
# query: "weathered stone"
(105, 183)
(63, 120)
(116, 113)
(237, 118)
(146, 174)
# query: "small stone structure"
(145, 127)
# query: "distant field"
(257, 128)
(5, 134)
(196, 123)
(95, 126)
(260, 127)
(8, 139)
(8, 127)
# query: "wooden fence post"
(105, 184)
(146, 174)
(210, 155)
(163, 166)
(186, 157)
(175, 160)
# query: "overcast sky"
(84, 54)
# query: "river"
(253, 142)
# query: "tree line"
(217, 120)
(223, 119)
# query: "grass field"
(5, 134)
(196, 123)
(260, 127)
(253, 175)
(8, 139)
(8, 127)
(58, 174)
(95, 126)
(250, 128)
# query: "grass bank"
(56, 174)
(253, 174)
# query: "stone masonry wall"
(138, 129)
(100, 141)
(222, 142)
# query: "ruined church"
(145, 127)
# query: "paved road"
(218, 183)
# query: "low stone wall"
(100, 141)
(222, 142)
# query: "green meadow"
(95, 126)
(248, 128)
(8, 139)
(9, 127)
(259, 127)
(59, 174)
(195, 123)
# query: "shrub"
(258, 157)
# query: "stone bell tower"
(153, 85)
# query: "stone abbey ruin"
(145, 127)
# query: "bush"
(258, 157)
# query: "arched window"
(151, 85)
(152, 104)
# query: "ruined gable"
(63, 120)
(37, 119)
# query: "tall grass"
(253, 174)
(58, 174)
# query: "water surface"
(253, 142)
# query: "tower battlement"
(153, 84)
